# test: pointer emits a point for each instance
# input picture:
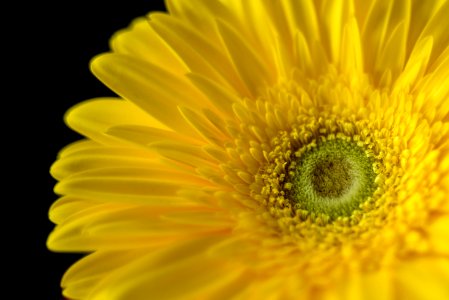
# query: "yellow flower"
(264, 149)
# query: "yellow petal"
(302, 15)
(188, 155)
(143, 135)
(416, 65)
(435, 86)
(375, 29)
(101, 158)
(275, 288)
(392, 55)
(334, 14)
(439, 235)
(436, 28)
(422, 12)
(423, 278)
(204, 218)
(126, 184)
(172, 273)
(199, 55)
(203, 126)
(200, 14)
(93, 118)
(221, 97)
(152, 88)
(351, 49)
(247, 62)
(139, 40)
(257, 31)
(370, 286)
(303, 53)
(80, 145)
(126, 226)
(67, 206)
(81, 278)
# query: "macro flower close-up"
(263, 149)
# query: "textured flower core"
(333, 178)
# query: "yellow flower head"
(262, 149)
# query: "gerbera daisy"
(263, 150)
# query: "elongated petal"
(93, 118)
(80, 279)
(101, 158)
(114, 226)
(424, 278)
(199, 54)
(154, 89)
(157, 274)
(140, 41)
(144, 135)
(439, 235)
(253, 71)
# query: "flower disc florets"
(332, 178)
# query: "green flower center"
(333, 177)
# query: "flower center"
(326, 171)
(333, 177)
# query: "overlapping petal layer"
(181, 189)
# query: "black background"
(56, 42)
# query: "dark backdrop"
(59, 40)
